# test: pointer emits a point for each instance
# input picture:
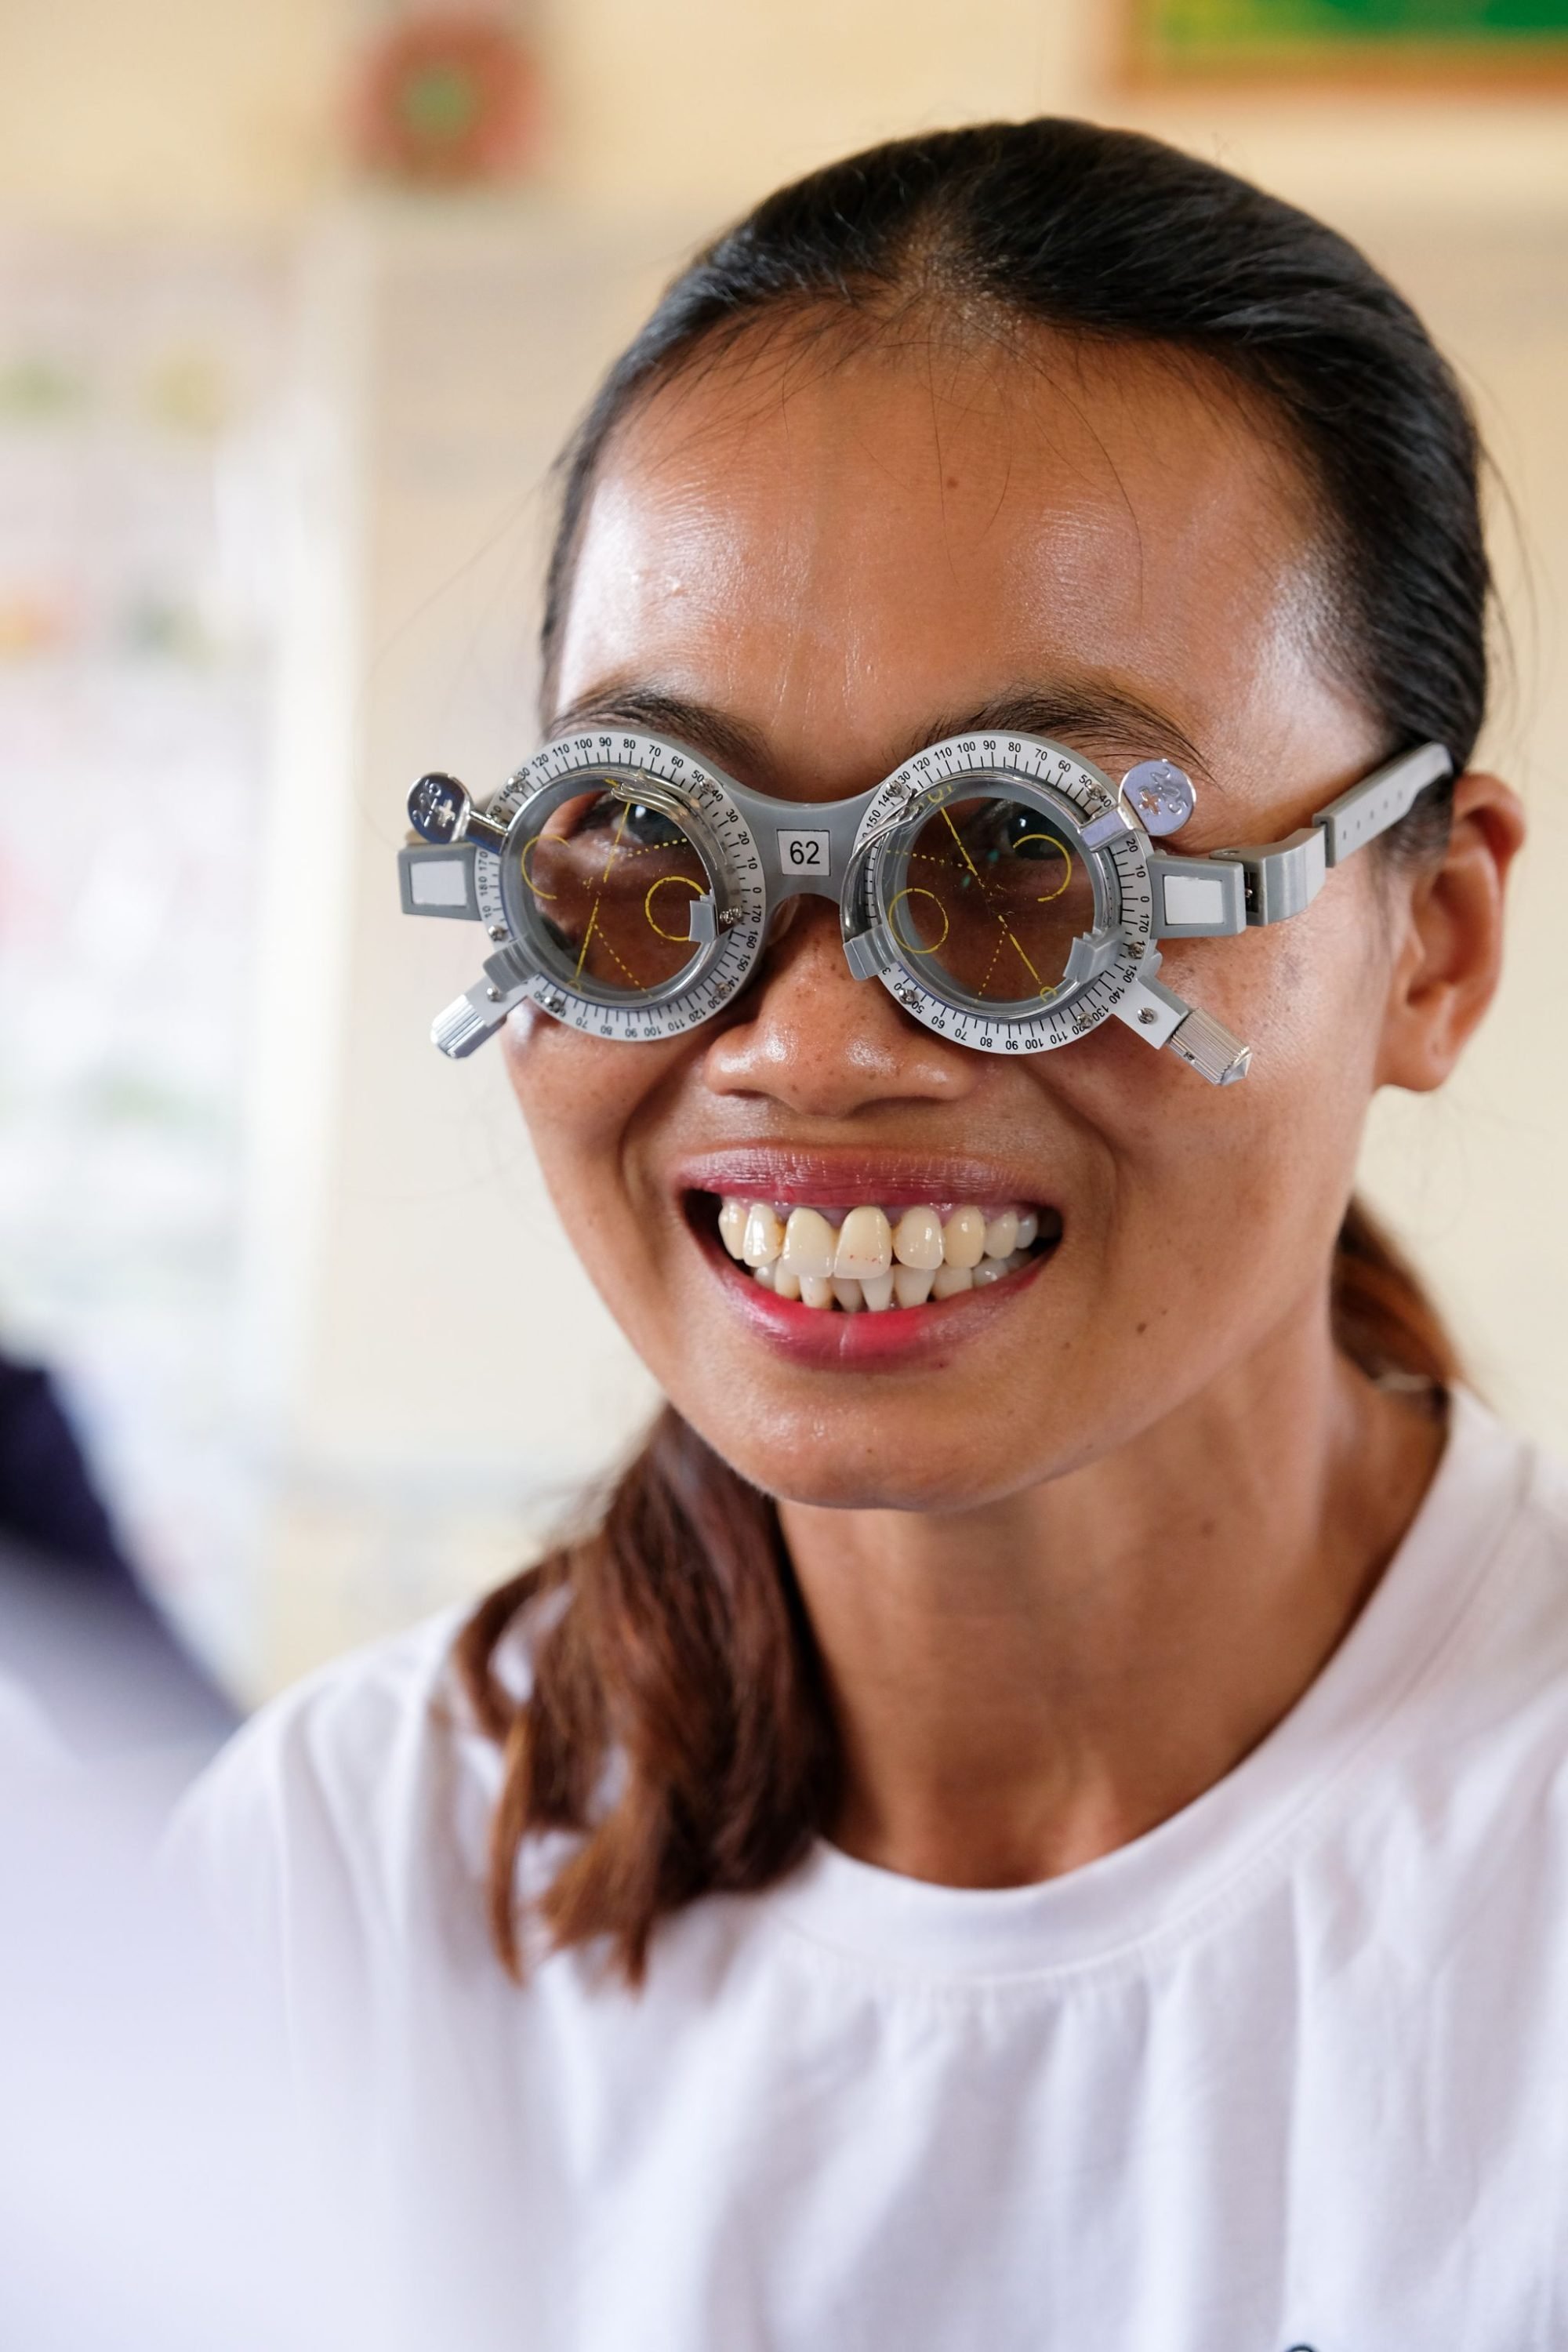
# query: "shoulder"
(353, 1799)
(1513, 1490)
(1492, 1584)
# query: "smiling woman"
(1006, 1828)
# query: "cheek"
(1219, 1203)
(582, 1102)
(1307, 995)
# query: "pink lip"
(828, 1178)
(866, 1343)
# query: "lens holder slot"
(952, 888)
(987, 891)
(645, 920)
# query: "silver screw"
(1160, 795)
(1147, 1017)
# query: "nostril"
(810, 1035)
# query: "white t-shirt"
(1291, 2070)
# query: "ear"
(1450, 918)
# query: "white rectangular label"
(1194, 899)
(439, 882)
(806, 852)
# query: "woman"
(1033, 1819)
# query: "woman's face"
(809, 566)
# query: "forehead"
(830, 546)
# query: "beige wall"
(231, 109)
(121, 112)
(431, 1366)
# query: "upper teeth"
(870, 1260)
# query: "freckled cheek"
(1224, 1185)
(1182, 1178)
(585, 1104)
(1307, 996)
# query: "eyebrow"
(727, 740)
(1090, 710)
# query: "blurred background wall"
(275, 416)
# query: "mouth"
(876, 1256)
(856, 1261)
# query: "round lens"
(610, 883)
(989, 895)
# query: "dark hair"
(685, 1649)
(1109, 234)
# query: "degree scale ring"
(721, 969)
(927, 779)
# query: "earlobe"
(1449, 959)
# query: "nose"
(822, 1043)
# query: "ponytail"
(685, 1660)
(1383, 1320)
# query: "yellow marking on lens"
(527, 876)
(969, 861)
(985, 980)
(586, 936)
(593, 914)
(947, 820)
(1063, 852)
(614, 846)
(687, 884)
(915, 891)
(622, 962)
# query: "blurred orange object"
(449, 100)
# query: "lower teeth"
(876, 1259)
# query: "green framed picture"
(1516, 41)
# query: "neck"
(1027, 1686)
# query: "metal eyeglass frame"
(756, 852)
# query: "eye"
(651, 829)
(1005, 829)
(611, 881)
(635, 824)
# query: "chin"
(951, 1459)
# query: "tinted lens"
(611, 883)
(990, 897)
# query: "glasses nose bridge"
(806, 847)
(803, 946)
(810, 1035)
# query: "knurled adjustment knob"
(1160, 795)
(438, 808)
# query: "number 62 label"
(806, 853)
